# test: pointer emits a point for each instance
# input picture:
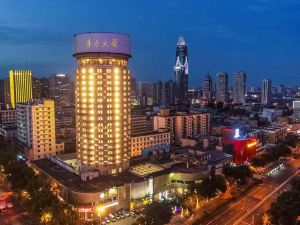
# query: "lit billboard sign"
(102, 43)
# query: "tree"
(266, 219)
(283, 150)
(157, 213)
(291, 140)
(35, 194)
(210, 186)
(286, 209)
(296, 184)
(19, 174)
(228, 149)
(258, 161)
(267, 157)
(237, 172)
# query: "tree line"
(32, 193)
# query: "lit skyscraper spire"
(181, 72)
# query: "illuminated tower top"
(181, 71)
(110, 43)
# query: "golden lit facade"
(102, 89)
(20, 82)
(103, 113)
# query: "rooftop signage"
(102, 43)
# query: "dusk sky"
(261, 37)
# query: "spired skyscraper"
(102, 89)
(266, 92)
(181, 72)
(239, 88)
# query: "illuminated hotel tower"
(20, 82)
(102, 89)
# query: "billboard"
(101, 42)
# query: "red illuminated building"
(244, 149)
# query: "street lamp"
(100, 211)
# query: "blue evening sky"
(261, 37)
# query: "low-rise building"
(132, 189)
(272, 134)
(139, 124)
(271, 114)
(183, 124)
(150, 142)
(8, 116)
(8, 132)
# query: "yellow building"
(36, 129)
(102, 89)
(20, 82)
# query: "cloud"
(23, 35)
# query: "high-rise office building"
(222, 87)
(102, 86)
(145, 93)
(36, 129)
(20, 82)
(181, 72)
(169, 90)
(133, 87)
(239, 87)
(4, 93)
(158, 93)
(207, 87)
(40, 88)
(266, 92)
(61, 89)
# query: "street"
(251, 207)
(11, 216)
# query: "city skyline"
(218, 41)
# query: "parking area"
(121, 217)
